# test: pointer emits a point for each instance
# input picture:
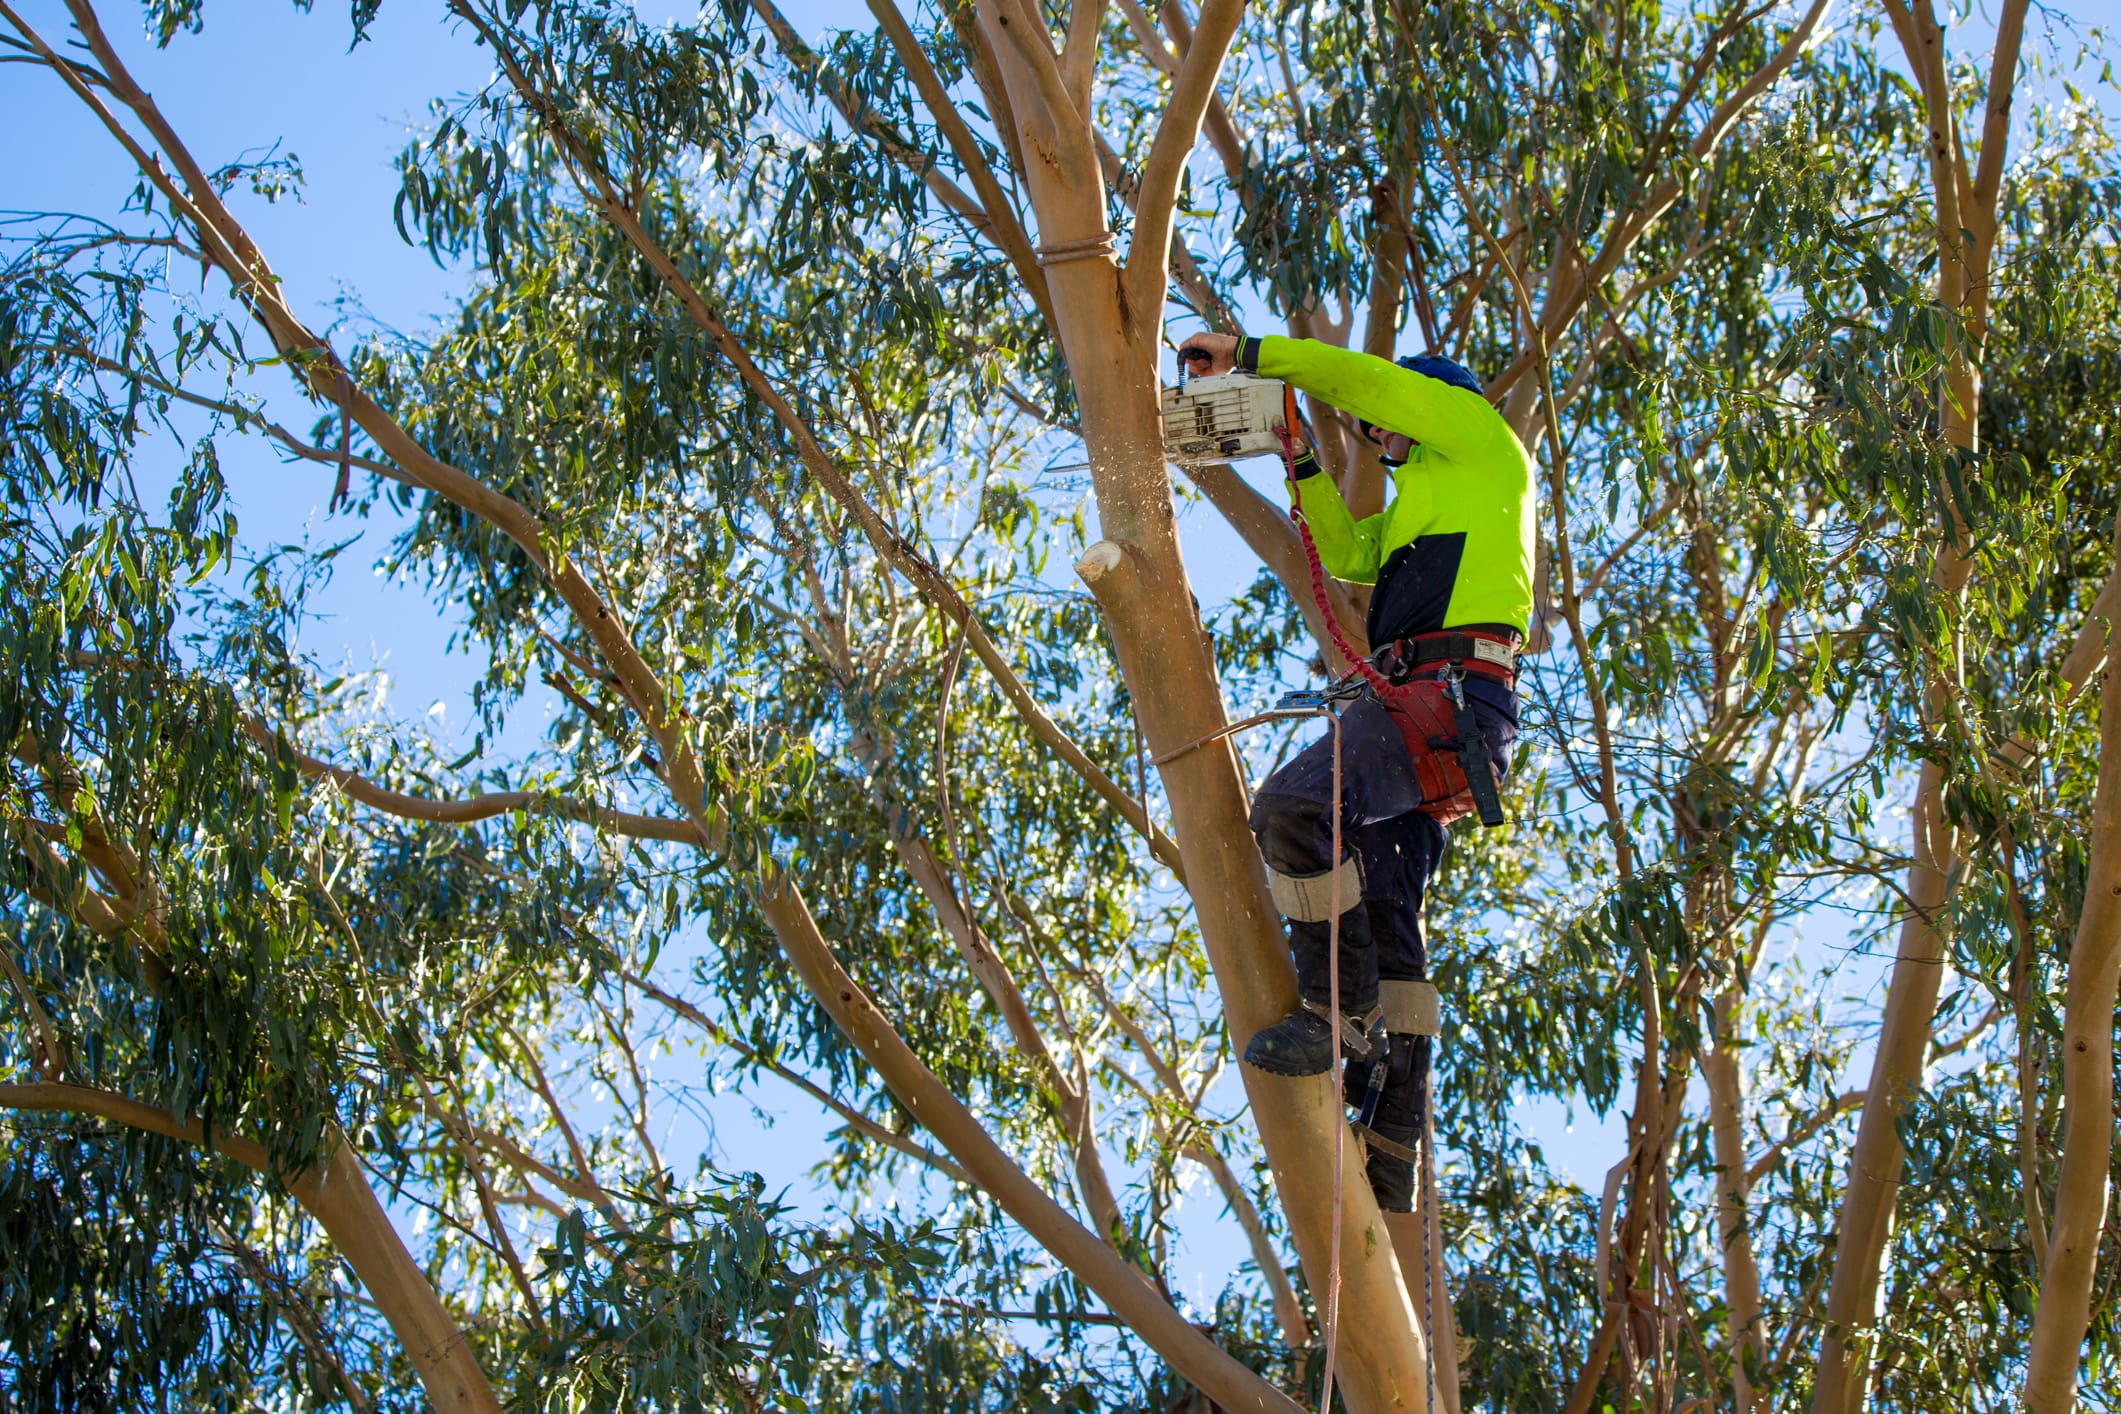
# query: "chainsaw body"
(1223, 419)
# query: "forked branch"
(1148, 261)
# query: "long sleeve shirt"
(1453, 548)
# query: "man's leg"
(1292, 816)
(1398, 857)
(1296, 840)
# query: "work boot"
(1391, 1177)
(1301, 1043)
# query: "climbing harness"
(1422, 683)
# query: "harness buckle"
(1453, 678)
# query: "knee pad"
(1309, 898)
(1411, 1008)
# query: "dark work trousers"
(1398, 847)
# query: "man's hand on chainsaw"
(1206, 355)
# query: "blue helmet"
(1443, 370)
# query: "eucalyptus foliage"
(228, 895)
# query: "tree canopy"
(747, 472)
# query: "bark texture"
(2064, 1310)
(1108, 318)
(1721, 1071)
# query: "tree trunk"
(2064, 1309)
(1866, 1217)
(1741, 1272)
(1439, 1323)
(1965, 233)
(1140, 583)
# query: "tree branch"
(1996, 121)
(864, 119)
(894, 549)
(1148, 258)
(1121, 1286)
(245, 417)
(1222, 131)
(2063, 1312)
(337, 1195)
(857, 1121)
(1005, 227)
(472, 809)
(1078, 63)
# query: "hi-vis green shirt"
(1453, 549)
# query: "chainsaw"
(1223, 419)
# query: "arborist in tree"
(1451, 559)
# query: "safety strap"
(1411, 1008)
(1383, 1145)
(1480, 771)
(1455, 646)
(1354, 1028)
(1308, 898)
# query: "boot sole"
(1290, 1071)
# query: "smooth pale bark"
(339, 1198)
(1123, 1289)
(1721, 1071)
(2064, 1310)
(1382, 1356)
(1439, 1322)
(1896, 1077)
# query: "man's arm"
(1347, 547)
(1457, 422)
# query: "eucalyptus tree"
(730, 463)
